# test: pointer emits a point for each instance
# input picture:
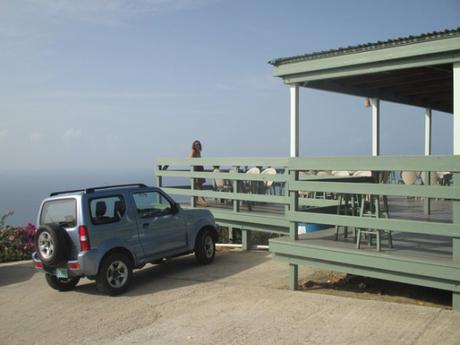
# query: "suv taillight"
(84, 239)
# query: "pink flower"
(11, 238)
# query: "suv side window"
(105, 210)
(151, 204)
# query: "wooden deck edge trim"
(253, 227)
(439, 269)
(407, 278)
(254, 219)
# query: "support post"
(244, 239)
(456, 177)
(427, 174)
(375, 104)
(294, 120)
(293, 276)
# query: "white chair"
(434, 178)
(341, 173)
(220, 185)
(362, 173)
(269, 185)
(409, 177)
(252, 186)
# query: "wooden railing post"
(293, 229)
(236, 203)
(159, 179)
(192, 187)
(286, 190)
(236, 208)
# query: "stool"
(372, 209)
(348, 205)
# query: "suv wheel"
(61, 284)
(205, 248)
(115, 274)
(51, 244)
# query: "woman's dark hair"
(196, 142)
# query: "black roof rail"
(67, 191)
(93, 189)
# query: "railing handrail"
(381, 163)
(226, 161)
(241, 176)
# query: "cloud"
(71, 134)
(110, 12)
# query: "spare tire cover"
(51, 243)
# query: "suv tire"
(115, 274)
(61, 284)
(205, 247)
(51, 244)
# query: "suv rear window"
(62, 211)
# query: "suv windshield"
(63, 212)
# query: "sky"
(97, 85)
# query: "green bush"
(16, 243)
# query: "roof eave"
(431, 52)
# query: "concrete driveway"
(242, 298)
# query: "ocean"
(22, 192)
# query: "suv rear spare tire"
(115, 274)
(51, 244)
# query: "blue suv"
(103, 233)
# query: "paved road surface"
(240, 299)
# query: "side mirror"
(175, 208)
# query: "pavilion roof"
(414, 70)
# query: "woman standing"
(198, 182)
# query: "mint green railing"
(233, 169)
(305, 209)
(420, 164)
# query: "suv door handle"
(145, 225)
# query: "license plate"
(61, 273)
